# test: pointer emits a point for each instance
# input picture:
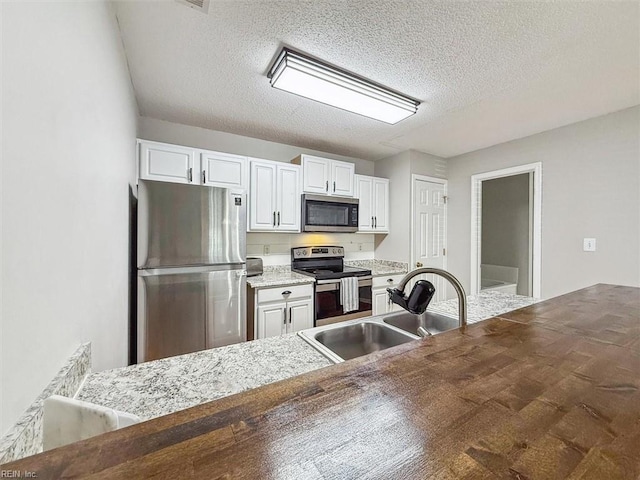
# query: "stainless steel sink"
(359, 339)
(354, 338)
(433, 323)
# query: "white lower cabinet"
(380, 296)
(283, 310)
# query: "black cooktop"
(323, 263)
(333, 272)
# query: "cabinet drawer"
(276, 294)
(383, 281)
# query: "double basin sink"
(354, 338)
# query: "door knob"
(418, 264)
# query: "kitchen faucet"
(422, 293)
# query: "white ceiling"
(487, 72)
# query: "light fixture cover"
(297, 73)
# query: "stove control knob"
(304, 252)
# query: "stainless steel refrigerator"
(191, 268)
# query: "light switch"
(589, 245)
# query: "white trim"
(425, 178)
(476, 217)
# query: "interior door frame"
(476, 222)
(443, 181)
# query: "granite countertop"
(380, 267)
(278, 276)
(164, 386)
(156, 388)
(487, 304)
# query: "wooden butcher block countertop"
(547, 391)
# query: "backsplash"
(275, 248)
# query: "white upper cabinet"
(177, 164)
(326, 177)
(166, 163)
(224, 170)
(342, 174)
(274, 196)
(373, 214)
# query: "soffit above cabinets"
(486, 72)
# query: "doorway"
(429, 230)
(505, 237)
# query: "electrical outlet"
(589, 245)
(359, 247)
(266, 249)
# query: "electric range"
(326, 265)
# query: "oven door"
(328, 307)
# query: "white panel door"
(364, 192)
(167, 163)
(429, 231)
(342, 174)
(300, 314)
(381, 205)
(223, 170)
(271, 320)
(288, 198)
(315, 175)
(262, 202)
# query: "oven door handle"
(362, 282)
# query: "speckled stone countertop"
(163, 386)
(486, 304)
(276, 276)
(380, 267)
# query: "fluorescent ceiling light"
(310, 78)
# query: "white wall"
(590, 188)
(69, 119)
(398, 169)
(506, 225)
(162, 131)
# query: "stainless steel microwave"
(329, 214)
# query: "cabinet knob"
(390, 280)
(286, 292)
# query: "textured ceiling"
(487, 72)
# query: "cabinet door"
(262, 201)
(223, 170)
(288, 197)
(380, 300)
(381, 205)
(315, 175)
(167, 163)
(364, 192)
(271, 320)
(300, 314)
(342, 179)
